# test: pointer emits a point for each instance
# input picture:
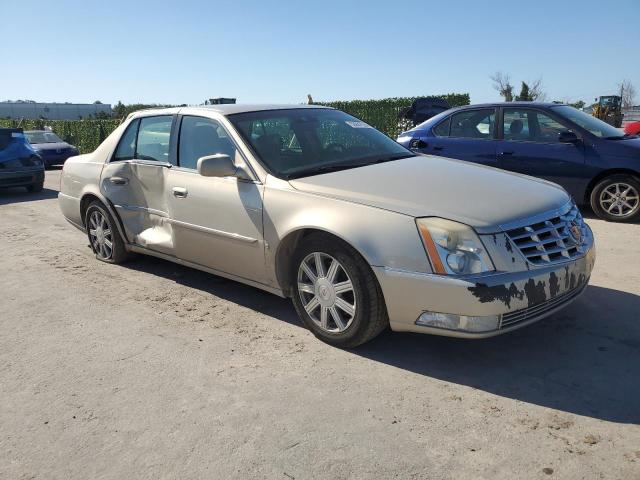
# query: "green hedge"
(86, 135)
(383, 114)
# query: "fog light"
(464, 323)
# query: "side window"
(548, 129)
(153, 138)
(478, 124)
(531, 126)
(201, 137)
(442, 129)
(127, 147)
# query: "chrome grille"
(557, 239)
(512, 318)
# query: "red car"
(632, 128)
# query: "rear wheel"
(617, 198)
(336, 294)
(104, 238)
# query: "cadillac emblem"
(575, 232)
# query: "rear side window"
(153, 138)
(202, 137)
(478, 124)
(146, 139)
(127, 147)
(442, 129)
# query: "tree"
(524, 96)
(579, 104)
(502, 83)
(530, 91)
(627, 93)
(536, 90)
(97, 102)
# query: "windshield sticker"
(357, 124)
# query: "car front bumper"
(515, 298)
(20, 178)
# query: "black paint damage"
(534, 292)
(487, 294)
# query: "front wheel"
(617, 198)
(104, 237)
(336, 294)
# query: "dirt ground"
(152, 370)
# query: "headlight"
(453, 248)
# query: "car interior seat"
(515, 129)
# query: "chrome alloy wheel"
(326, 292)
(620, 199)
(100, 235)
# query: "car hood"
(423, 186)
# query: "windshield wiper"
(336, 167)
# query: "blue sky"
(278, 51)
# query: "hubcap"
(100, 235)
(620, 200)
(326, 292)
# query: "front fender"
(383, 238)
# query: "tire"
(35, 187)
(103, 234)
(616, 198)
(324, 310)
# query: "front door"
(530, 145)
(134, 181)
(217, 222)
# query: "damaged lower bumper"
(484, 305)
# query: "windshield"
(301, 142)
(592, 124)
(42, 137)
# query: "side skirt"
(171, 258)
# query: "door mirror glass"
(568, 137)
(218, 165)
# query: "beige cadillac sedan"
(310, 203)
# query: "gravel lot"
(152, 370)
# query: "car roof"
(224, 109)
(511, 104)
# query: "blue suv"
(595, 162)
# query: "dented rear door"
(135, 181)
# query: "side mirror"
(218, 165)
(568, 137)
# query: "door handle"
(179, 192)
(437, 148)
(119, 180)
(506, 152)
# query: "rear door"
(217, 222)
(530, 145)
(466, 135)
(134, 181)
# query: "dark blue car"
(52, 149)
(595, 162)
(20, 164)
